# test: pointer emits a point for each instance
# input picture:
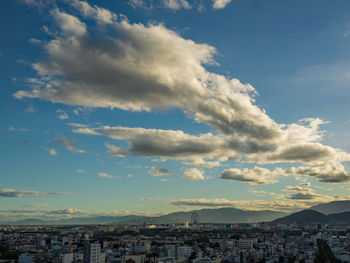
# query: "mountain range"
(332, 207)
(333, 212)
(220, 215)
(311, 216)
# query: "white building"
(92, 253)
(67, 257)
(246, 243)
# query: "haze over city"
(141, 107)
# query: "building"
(25, 258)
(183, 252)
(246, 243)
(169, 251)
(133, 258)
(92, 253)
(67, 257)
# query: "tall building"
(25, 258)
(92, 253)
(183, 252)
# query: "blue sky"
(149, 107)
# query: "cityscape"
(307, 236)
(175, 131)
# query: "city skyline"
(140, 107)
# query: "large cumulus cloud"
(112, 63)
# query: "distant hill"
(306, 216)
(220, 215)
(340, 218)
(30, 221)
(334, 207)
(78, 220)
(311, 216)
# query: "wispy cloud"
(70, 145)
(108, 176)
(9, 192)
(30, 109)
(62, 115)
(35, 41)
(306, 193)
(77, 125)
(283, 204)
(12, 128)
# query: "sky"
(148, 107)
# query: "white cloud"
(284, 203)
(105, 175)
(39, 205)
(254, 176)
(11, 128)
(77, 125)
(203, 202)
(99, 14)
(52, 151)
(41, 212)
(37, 3)
(70, 145)
(141, 4)
(201, 162)
(80, 171)
(193, 174)
(30, 109)
(164, 143)
(281, 205)
(257, 191)
(35, 41)
(176, 4)
(69, 24)
(88, 65)
(116, 151)
(329, 173)
(78, 110)
(9, 192)
(158, 171)
(219, 4)
(306, 193)
(62, 115)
